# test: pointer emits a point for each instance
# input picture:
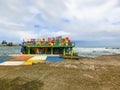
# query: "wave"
(94, 52)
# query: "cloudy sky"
(85, 20)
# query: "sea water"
(82, 51)
(8, 50)
(96, 51)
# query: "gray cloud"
(82, 20)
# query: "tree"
(4, 42)
(10, 44)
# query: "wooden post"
(28, 50)
(72, 52)
(64, 52)
(51, 50)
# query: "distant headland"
(5, 43)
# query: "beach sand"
(100, 73)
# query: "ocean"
(82, 51)
(96, 51)
(8, 50)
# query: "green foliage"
(4, 42)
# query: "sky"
(84, 20)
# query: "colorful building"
(55, 45)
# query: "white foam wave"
(93, 52)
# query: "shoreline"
(59, 55)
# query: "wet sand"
(100, 73)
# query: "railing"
(72, 44)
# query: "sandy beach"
(100, 73)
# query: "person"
(23, 48)
(37, 51)
(46, 50)
(41, 51)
